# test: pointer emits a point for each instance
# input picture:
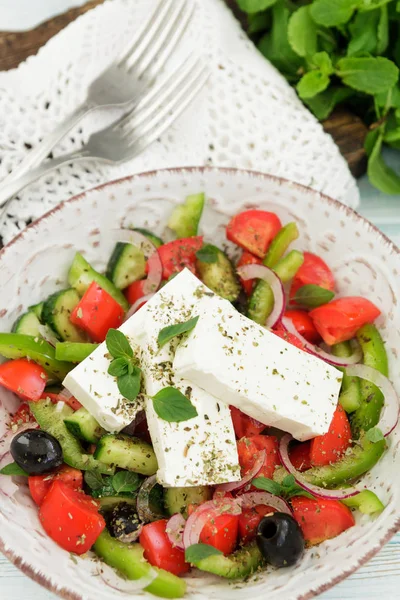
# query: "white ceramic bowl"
(365, 263)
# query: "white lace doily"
(247, 116)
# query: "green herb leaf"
(380, 174)
(168, 333)
(129, 384)
(13, 469)
(370, 75)
(333, 12)
(254, 6)
(118, 367)
(312, 296)
(323, 104)
(94, 480)
(366, 5)
(105, 490)
(208, 254)
(171, 405)
(312, 83)
(374, 435)
(268, 485)
(383, 31)
(287, 489)
(258, 22)
(364, 33)
(118, 345)
(289, 481)
(322, 61)
(302, 32)
(126, 481)
(196, 553)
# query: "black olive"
(124, 523)
(36, 451)
(280, 540)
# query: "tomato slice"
(253, 230)
(159, 551)
(329, 448)
(313, 271)
(300, 456)
(281, 332)
(222, 533)
(71, 518)
(97, 312)
(320, 519)
(244, 425)
(304, 325)
(177, 255)
(249, 448)
(248, 259)
(340, 320)
(135, 291)
(39, 485)
(23, 377)
(250, 519)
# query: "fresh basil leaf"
(13, 469)
(380, 174)
(312, 83)
(323, 104)
(254, 6)
(119, 366)
(94, 480)
(383, 31)
(268, 485)
(297, 491)
(374, 435)
(364, 33)
(208, 254)
(197, 552)
(129, 384)
(105, 490)
(289, 481)
(312, 296)
(117, 344)
(370, 75)
(331, 13)
(302, 32)
(168, 333)
(171, 405)
(323, 62)
(126, 481)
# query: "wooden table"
(381, 576)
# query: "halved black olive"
(280, 540)
(124, 523)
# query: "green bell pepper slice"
(238, 565)
(366, 502)
(74, 351)
(279, 245)
(350, 392)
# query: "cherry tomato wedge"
(135, 291)
(70, 401)
(250, 519)
(253, 230)
(97, 312)
(313, 271)
(248, 259)
(39, 485)
(177, 255)
(300, 456)
(304, 325)
(244, 425)
(159, 551)
(340, 320)
(23, 377)
(329, 448)
(249, 448)
(321, 519)
(221, 532)
(71, 518)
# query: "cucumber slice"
(219, 275)
(128, 453)
(126, 265)
(238, 565)
(37, 309)
(81, 275)
(57, 311)
(84, 426)
(177, 499)
(51, 419)
(157, 241)
(128, 559)
(185, 218)
(109, 502)
(17, 345)
(27, 324)
(73, 351)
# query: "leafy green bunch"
(335, 52)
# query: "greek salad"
(186, 410)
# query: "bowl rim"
(63, 592)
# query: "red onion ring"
(251, 499)
(135, 307)
(145, 514)
(391, 409)
(319, 353)
(174, 530)
(64, 395)
(126, 586)
(203, 514)
(154, 276)
(266, 274)
(327, 494)
(254, 471)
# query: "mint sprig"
(124, 365)
(287, 489)
(168, 333)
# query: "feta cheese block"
(245, 365)
(201, 450)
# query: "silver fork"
(126, 80)
(130, 135)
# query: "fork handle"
(42, 150)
